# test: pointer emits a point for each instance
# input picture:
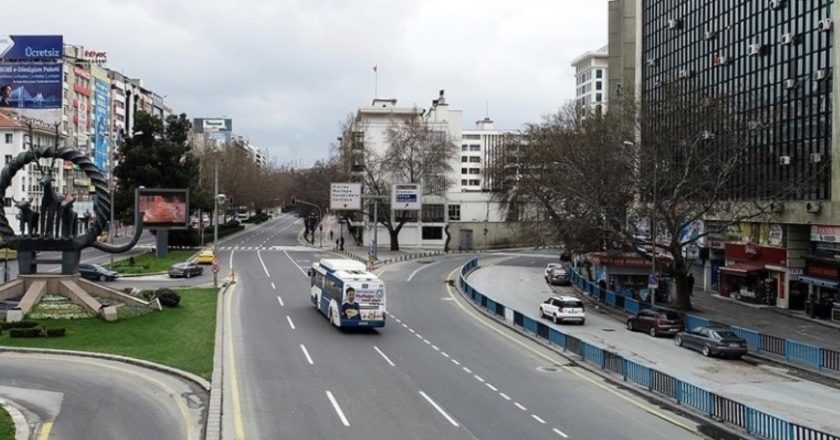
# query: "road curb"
(721, 431)
(22, 429)
(213, 425)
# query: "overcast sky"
(287, 71)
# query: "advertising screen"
(31, 47)
(30, 85)
(164, 208)
(101, 121)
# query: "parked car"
(559, 276)
(186, 270)
(713, 341)
(97, 273)
(656, 322)
(205, 257)
(562, 309)
(548, 268)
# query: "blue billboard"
(30, 85)
(101, 123)
(31, 47)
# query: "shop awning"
(822, 282)
(743, 269)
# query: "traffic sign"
(345, 196)
(216, 265)
(653, 283)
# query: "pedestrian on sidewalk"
(690, 282)
(331, 235)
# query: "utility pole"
(376, 199)
(215, 216)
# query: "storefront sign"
(752, 250)
(822, 271)
(825, 233)
(760, 254)
(776, 235)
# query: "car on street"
(559, 276)
(656, 322)
(97, 273)
(712, 341)
(187, 269)
(562, 309)
(548, 268)
(205, 257)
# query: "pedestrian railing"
(754, 421)
(793, 351)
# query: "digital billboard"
(164, 208)
(101, 123)
(30, 85)
(31, 47)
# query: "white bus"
(347, 294)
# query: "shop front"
(628, 274)
(755, 273)
(822, 273)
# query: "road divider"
(753, 421)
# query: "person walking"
(689, 281)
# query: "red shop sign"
(761, 254)
(822, 271)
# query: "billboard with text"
(101, 123)
(31, 47)
(30, 85)
(407, 196)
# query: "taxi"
(205, 257)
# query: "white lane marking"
(395, 319)
(280, 300)
(230, 263)
(439, 409)
(455, 362)
(337, 408)
(383, 356)
(295, 263)
(405, 325)
(444, 354)
(560, 433)
(489, 385)
(447, 299)
(418, 270)
(538, 418)
(291, 324)
(504, 396)
(467, 370)
(412, 330)
(427, 342)
(273, 286)
(263, 264)
(306, 353)
(419, 336)
(518, 405)
(478, 378)
(436, 347)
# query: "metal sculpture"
(58, 221)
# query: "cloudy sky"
(287, 71)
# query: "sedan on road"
(656, 322)
(559, 276)
(548, 269)
(713, 341)
(562, 309)
(97, 273)
(186, 270)
(205, 257)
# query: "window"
(598, 85)
(409, 216)
(597, 97)
(8, 159)
(475, 159)
(474, 171)
(474, 183)
(433, 213)
(463, 171)
(464, 158)
(465, 147)
(9, 138)
(599, 73)
(475, 147)
(432, 233)
(464, 182)
(455, 211)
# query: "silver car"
(712, 341)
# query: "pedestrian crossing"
(269, 248)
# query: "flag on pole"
(375, 67)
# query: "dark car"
(655, 322)
(713, 342)
(186, 270)
(97, 273)
(559, 275)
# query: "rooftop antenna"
(375, 81)
(486, 109)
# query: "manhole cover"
(547, 369)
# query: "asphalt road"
(518, 283)
(79, 399)
(435, 371)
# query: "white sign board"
(406, 196)
(345, 196)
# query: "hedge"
(190, 237)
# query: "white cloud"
(287, 71)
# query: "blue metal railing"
(752, 420)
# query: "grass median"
(149, 263)
(7, 426)
(181, 337)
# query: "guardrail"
(754, 421)
(793, 351)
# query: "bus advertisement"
(347, 294)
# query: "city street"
(518, 283)
(432, 372)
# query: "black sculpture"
(58, 222)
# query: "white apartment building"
(591, 79)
